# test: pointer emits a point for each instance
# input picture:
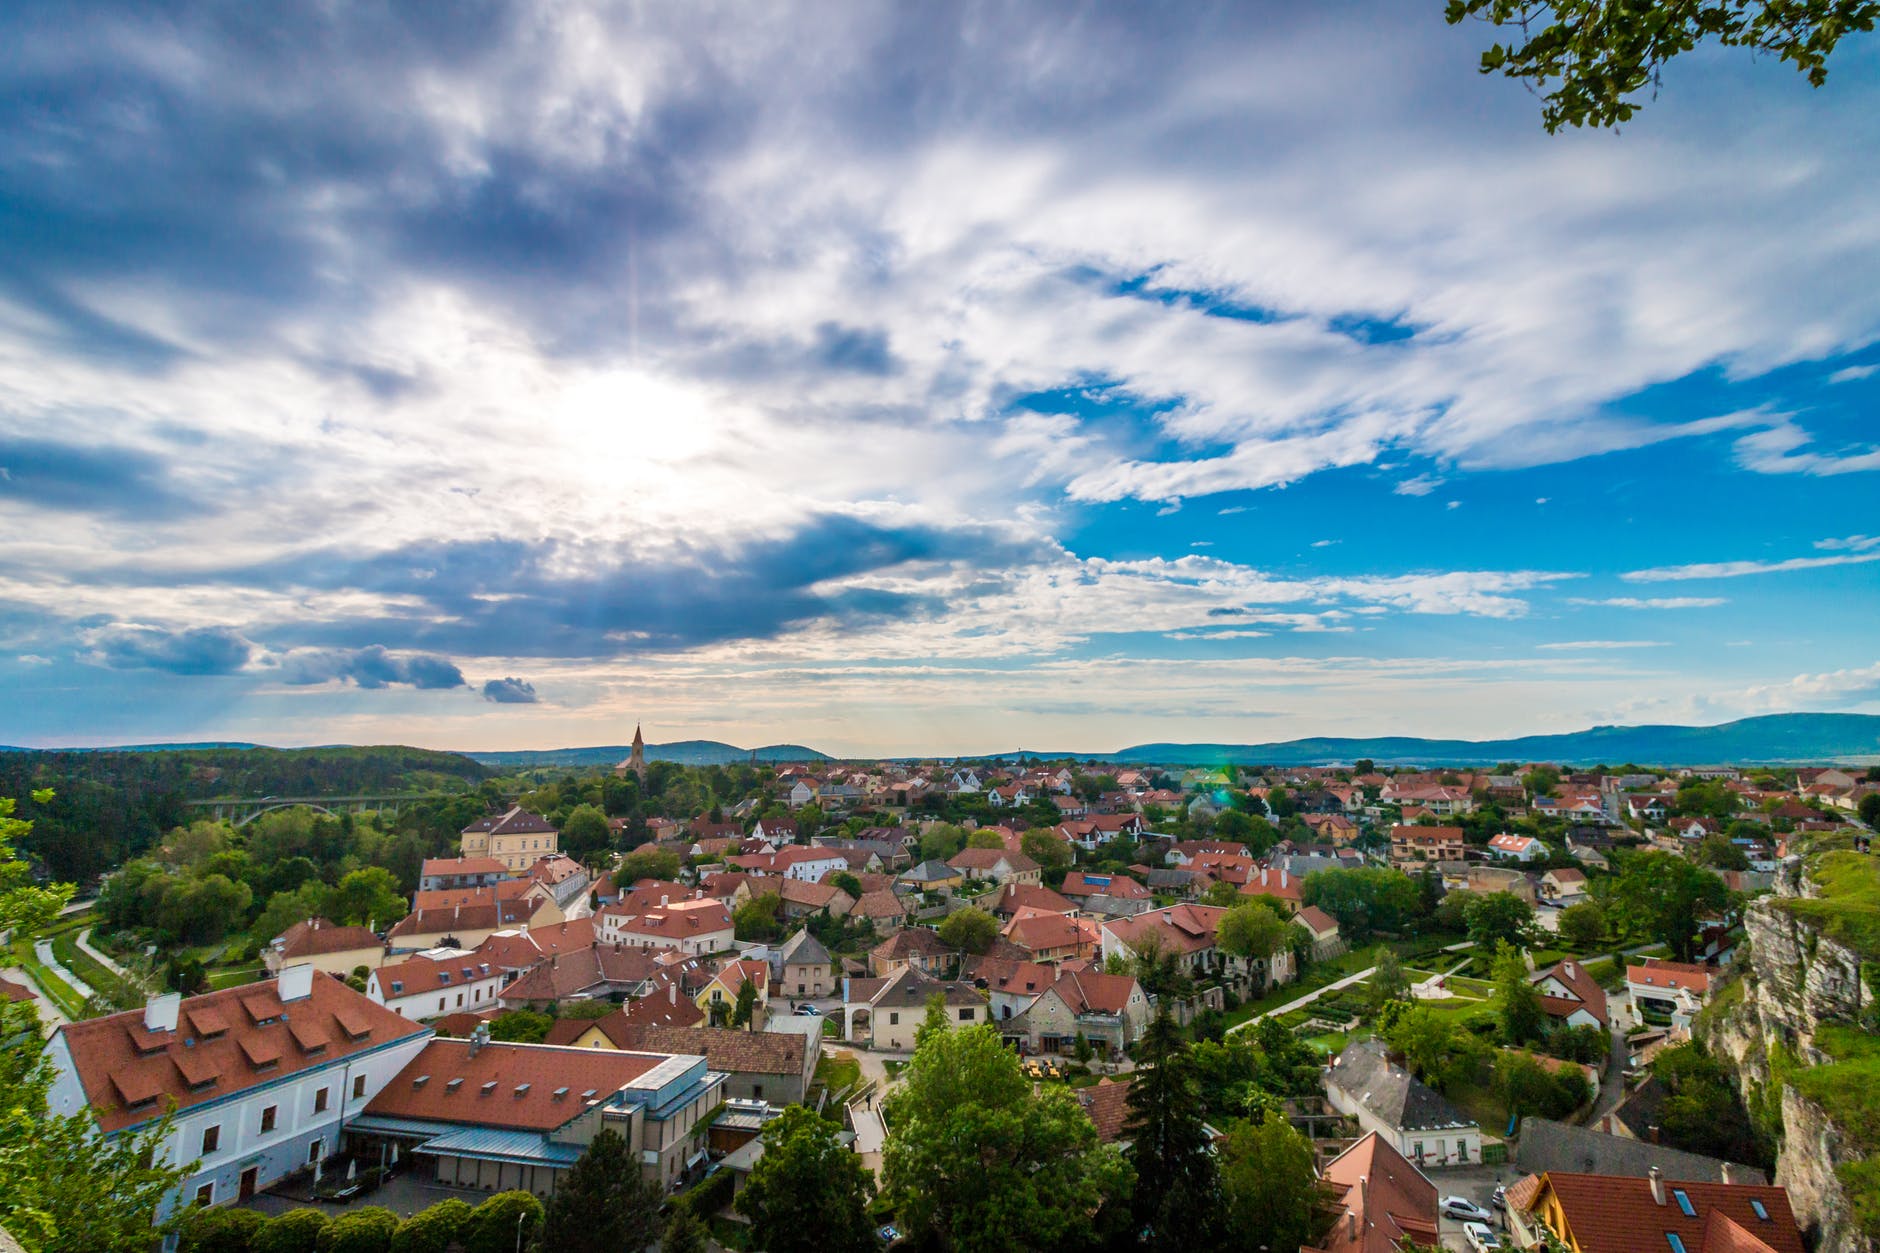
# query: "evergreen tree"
(747, 1004)
(684, 1234)
(1176, 1196)
(603, 1204)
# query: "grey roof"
(1547, 1145)
(804, 949)
(1299, 865)
(1391, 1092)
(1170, 878)
(931, 872)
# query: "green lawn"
(52, 987)
(92, 971)
(838, 1072)
(219, 979)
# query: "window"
(211, 1138)
(757, 1090)
(1416, 1150)
(267, 1117)
(1675, 1240)
(313, 1151)
(1762, 1211)
(894, 1020)
(205, 1195)
(966, 1014)
(1683, 1199)
(359, 1087)
(319, 1101)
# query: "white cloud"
(1325, 543)
(1737, 569)
(1849, 543)
(1421, 485)
(1778, 450)
(1654, 602)
(1853, 373)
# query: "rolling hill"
(684, 752)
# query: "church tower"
(636, 760)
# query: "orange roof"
(1654, 972)
(315, 936)
(1107, 1103)
(121, 1065)
(417, 975)
(682, 920)
(1614, 1214)
(449, 867)
(531, 1087)
(1382, 1198)
(1182, 928)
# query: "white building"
(262, 1076)
(1418, 1121)
(436, 982)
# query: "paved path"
(48, 1012)
(1345, 982)
(84, 946)
(43, 950)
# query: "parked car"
(1463, 1208)
(888, 1235)
(1481, 1239)
(808, 1011)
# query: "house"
(1667, 989)
(777, 831)
(1107, 1104)
(467, 926)
(1109, 1011)
(515, 950)
(695, 928)
(1184, 852)
(1092, 831)
(1053, 937)
(805, 967)
(1563, 887)
(1411, 846)
(1619, 1214)
(1545, 1145)
(1322, 927)
(261, 1078)
(545, 913)
(933, 876)
(1185, 930)
(1013, 897)
(721, 991)
(1380, 1201)
(599, 972)
(1278, 884)
(886, 911)
(996, 865)
(438, 873)
(429, 985)
(493, 1116)
(329, 949)
(565, 878)
(1510, 847)
(1010, 985)
(515, 838)
(1570, 996)
(799, 898)
(886, 1013)
(810, 865)
(757, 1065)
(1416, 1120)
(1082, 886)
(666, 1007)
(919, 947)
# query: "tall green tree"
(808, 1193)
(1388, 980)
(367, 895)
(1665, 897)
(1495, 918)
(971, 930)
(977, 1162)
(585, 833)
(1270, 1184)
(1517, 1001)
(747, 1004)
(685, 1233)
(1176, 1197)
(1583, 926)
(603, 1204)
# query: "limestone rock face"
(1798, 979)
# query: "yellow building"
(515, 838)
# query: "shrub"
(367, 1230)
(296, 1231)
(494, 1224)
(433, 1230)
(712, 1195)
(220, 1230)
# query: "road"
(48, 1012)
(84, 945)
(42, 949)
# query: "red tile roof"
(1182, 928)
(1382, 1198)
(120, 1064)
(528, 1087)
(1107, 1103)
(315, 936)
(517, 912)
(1657, 973)
(450, 867)
(1615, 1214)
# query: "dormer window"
(489, 1087)
(453, 1085)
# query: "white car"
(808, 1011)
(1466, 1210)
(1481, 1239)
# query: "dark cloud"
(370, 667)
(196, 651)
(518, 598)
(855, 351)
(118, 481)
(510, 691)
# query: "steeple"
(636, 760)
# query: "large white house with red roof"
(263, 1077)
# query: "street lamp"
(519, 1217)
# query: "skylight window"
(1684, 1202)
(1762, 1211)
(1676, 1241)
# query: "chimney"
(479, 1037)
(1728, 1173)
(1658, 1186)
(160, 1011)
(295, 982)
(672, 994)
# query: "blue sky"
(945, 378)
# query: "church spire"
(636, 760)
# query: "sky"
(934, 378)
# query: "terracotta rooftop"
(315, 936)
(444, 921)
(124, 1067)
(1182, 928)
(446, 867)
(1656, 973)
(515, 821)
(1382, 1198)
(418, 974)
(528, 1087)
(1615, 1214)
(741, 1052)
(520, 949)
(1107, 1103)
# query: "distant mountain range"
(1771, 739)
(685, 752)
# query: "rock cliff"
(1798, 982)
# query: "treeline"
(110, 806)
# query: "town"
(981, 1005)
